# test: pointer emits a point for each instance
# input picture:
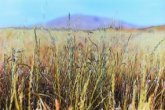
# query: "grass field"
(81, 70)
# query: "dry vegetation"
(75, 70)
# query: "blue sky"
(27, 12)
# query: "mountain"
(85, 22)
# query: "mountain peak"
(86, 22)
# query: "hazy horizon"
(30, 12)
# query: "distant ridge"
(85, 22)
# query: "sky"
(29, 12)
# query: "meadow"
(106, 69)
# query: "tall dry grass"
(82, 76)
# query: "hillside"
(85, 22)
